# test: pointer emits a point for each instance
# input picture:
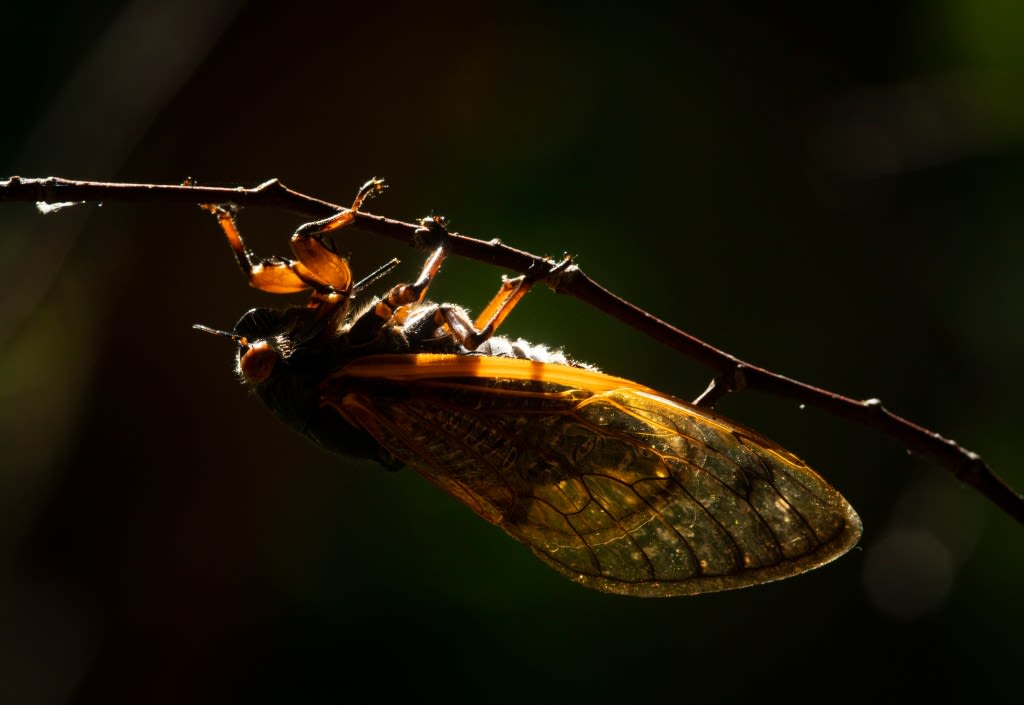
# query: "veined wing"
(615, 486)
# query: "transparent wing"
(621, 489)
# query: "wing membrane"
(612, 484)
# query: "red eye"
(258, 362)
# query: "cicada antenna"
(240, 339)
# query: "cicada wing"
(621, 490)
(682, 501)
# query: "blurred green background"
(833, 194)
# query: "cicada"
(614, 485)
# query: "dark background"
(832, 194)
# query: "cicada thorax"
(290, 355)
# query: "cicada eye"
(257, 362)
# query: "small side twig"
(966, 465)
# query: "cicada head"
(284, 357)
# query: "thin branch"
(733, 373)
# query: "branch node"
(267, 185)
(874, 405)
(561, 275)
(49, 185)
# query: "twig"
(733, 374)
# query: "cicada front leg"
(316, 266)
(275, 275)
(317, 262)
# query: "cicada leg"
(395, 305)
(276, 276)
(470, 334)
(734, 380)
(319, 262)
(317, 267)
(511, 292)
